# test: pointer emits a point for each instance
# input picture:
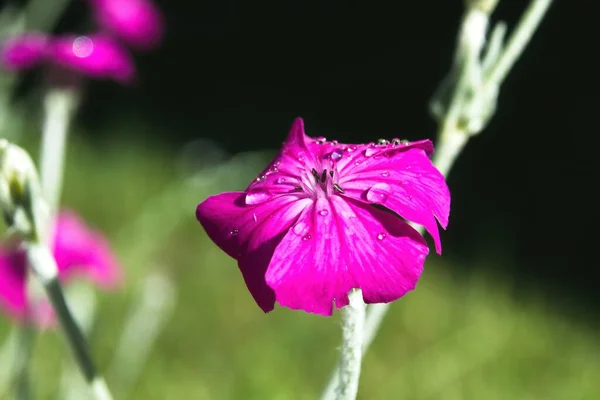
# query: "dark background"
(238, 72)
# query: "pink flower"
(98, 56)
(138, 22)
(78, 250)
(326, 217)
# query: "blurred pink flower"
(25, 51)
(326, 217)
(97, 56)
(79, 251)
(138, 23)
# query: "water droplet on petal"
(370, 151)
(260, 178)
(337, 154)
(300, 228)
(385, 174)
(234, 232)
(381, 236)
(334, 142)
(321, 139)
(300, 156)
(383, 142)
(280, 180)
(83, 46)
(324, 213)
(351, 148)
(306, 237)
(379, 193)
(257, 196)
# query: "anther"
(315, 174)
(338, 188)
(324, 176)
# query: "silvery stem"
(353, 319)
(58, 110)
(44, 266)
(452, 136)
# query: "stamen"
(331, 174)
(324, 176)
(338, 188)
(315, 174)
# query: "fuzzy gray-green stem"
(353, 320)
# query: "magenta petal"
(337, 245)
(138, 22)
(24, 51)
(287, 170)
(12, 283)
(81, 251)
(405, 182)
(249, 233)
(98, 56)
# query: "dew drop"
(83, 46)
(321, 139)
(306, 237)
(383, 142)
(324, 213)
(257, 196)
(234, 232)
(381, 236)
(379, 193)
(385, 174)
(370, 151)
(260, 178)
(300, 156)
(351, 148)
(300, 229)
(280, 180)
(337, 154)
(334, 142)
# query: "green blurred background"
(509, 311)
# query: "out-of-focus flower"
(79, 251)
(98, 56)
(138, 23)
(25, 51)
(326, 217)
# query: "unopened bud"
(18, 178)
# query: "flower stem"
(58, 109)
(44, 265)
(353, 319)
(453, 135)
